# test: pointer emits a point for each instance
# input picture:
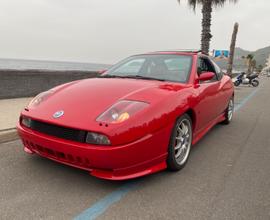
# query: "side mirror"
(102, 71)
(205, 76)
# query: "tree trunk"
(253, 66)
(249, 66)
(206, 26)
(232, 49)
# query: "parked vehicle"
(140, 117)
(247, 80)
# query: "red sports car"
(139, 117)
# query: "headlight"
(40, 98)
(121, 111)
(95, 138)
(26, 122)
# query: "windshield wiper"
(131, 77)
(142, 77)
(109, 76)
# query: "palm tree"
(253, 65)
(232, 49)
(250, 62)
(207, 8)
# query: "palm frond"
(220, 3)
(191, 3)
(250, 56)
(216, 3)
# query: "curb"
(8, 135)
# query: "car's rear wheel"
(229, 112)
(180, 143)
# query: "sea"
(21, 64)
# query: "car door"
(224, 89)
(208, 94)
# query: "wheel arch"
(191, 113)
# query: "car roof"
(178, 52)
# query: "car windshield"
(165, 67)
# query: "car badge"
(58, 114)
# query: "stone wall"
(27, 83)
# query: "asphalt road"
(227, 177)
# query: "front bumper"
(144, 156)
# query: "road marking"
(102, 205)
(245, 100)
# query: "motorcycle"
(247, 80)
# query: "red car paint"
(138, 145)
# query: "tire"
(237, 83)
(255, 83)
(181, 139)
(229, 112)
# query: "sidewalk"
(9, 114)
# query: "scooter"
(247, 80)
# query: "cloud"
(106, 31)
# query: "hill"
(261, 56)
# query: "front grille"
(82, 162)
(58, 131)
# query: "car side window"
(205, 65)
(218, 70)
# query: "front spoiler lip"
(106, 174)
(110, 175)
(142, 169)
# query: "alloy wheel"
(182, 141)
(230, 109)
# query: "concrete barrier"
(26, 83)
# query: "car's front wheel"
(180, 143)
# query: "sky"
(103, 31)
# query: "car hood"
(83, 101)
